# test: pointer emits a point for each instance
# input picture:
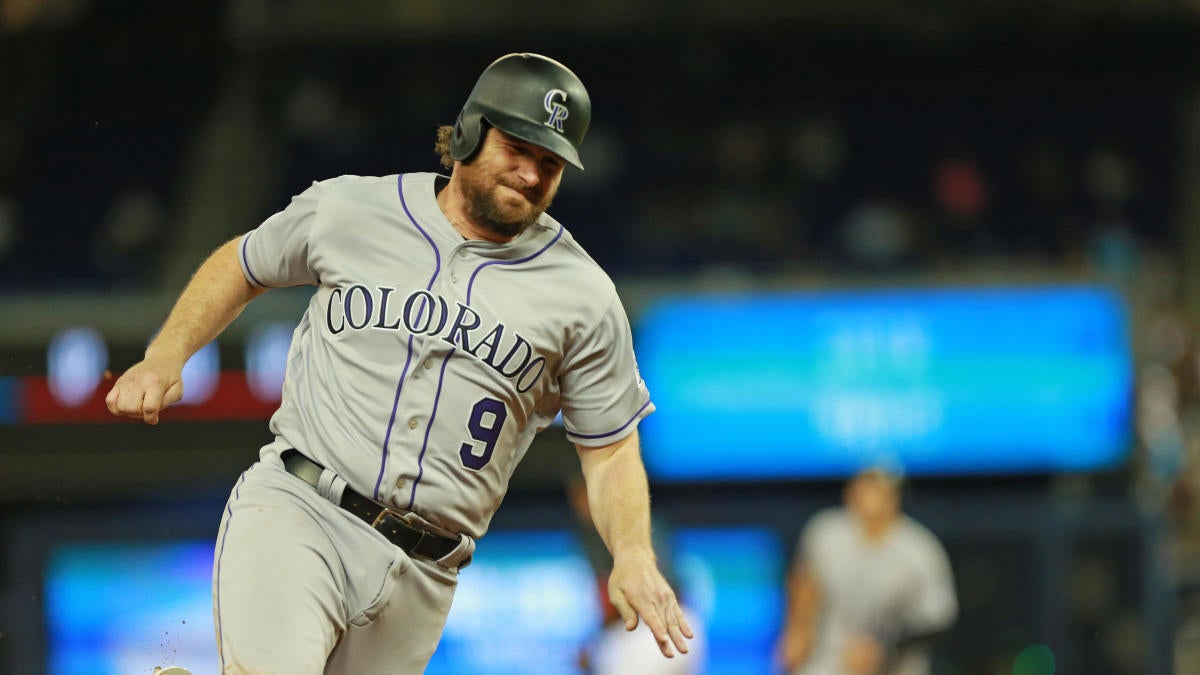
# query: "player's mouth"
(527, 195)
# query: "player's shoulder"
(354, 183)
(349, 185)
(824, 535)
(829, 521)
(350, 193)
(567, 253)
(914, 533)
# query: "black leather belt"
(414, 541)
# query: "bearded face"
(509, 184)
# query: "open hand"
(637, 589)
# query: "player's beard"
(486, 209)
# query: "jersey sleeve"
(814, 540)
(602, 395)
(934, 605)
(276, 253)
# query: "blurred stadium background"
(961, 238)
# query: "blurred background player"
(869, 589)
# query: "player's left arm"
(933, 604)
(619, 498)
(937, 607)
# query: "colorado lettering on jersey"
(423, 313)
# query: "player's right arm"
(804, 604)
(217, 293)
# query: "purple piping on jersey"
(471, 283)
(425, 444)
(618, 429)
(228, 519)
(437, 267)
(387, 437)
(246, 261)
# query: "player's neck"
(876, 529)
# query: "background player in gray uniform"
(453, 319)
(869, 589)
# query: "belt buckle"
(390, 517)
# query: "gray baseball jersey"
(426, 363)
(902, 583)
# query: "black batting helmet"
(532, 97)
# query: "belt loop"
(330, 486)
(461, 556)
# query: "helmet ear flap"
(467, 136)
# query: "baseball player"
(871, 588)
(452, 320)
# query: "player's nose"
(527, 171)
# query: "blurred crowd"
(701, 156)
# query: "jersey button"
(400, 483)
(413, 423)
(462, 252)
(454, 277)
(428, 364)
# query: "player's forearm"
(619, 497)
(214, 297)
(804, 601)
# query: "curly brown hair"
(442, 146)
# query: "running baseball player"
(452, 320)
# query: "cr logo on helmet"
(558, 111)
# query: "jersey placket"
(427, 381)
(392, 476)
